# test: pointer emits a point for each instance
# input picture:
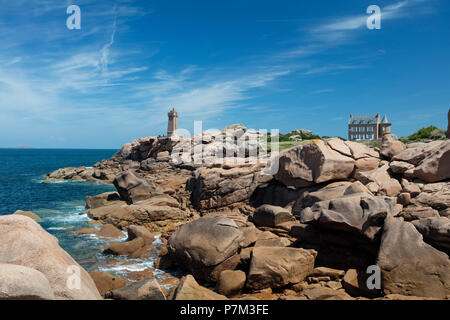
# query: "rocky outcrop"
(220, 187)
(106, 282)
(313, 163)
(23, 283)
(23, 242)
(271, 216)
(408, 265)
(207, 246)
(412, 213)
(435, 195)
(275, 267)
(231, 282)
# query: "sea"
(61, 205)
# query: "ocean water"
(58, 204)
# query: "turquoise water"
(58, 204)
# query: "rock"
(400, 167)
(354, 214)
(102, 200)
(404, 198)
(411, 213)
(23, 283)
(435, 231)
(412, 188)
(277, 242)
(106, 282)
(109, 231)
(408, 265)
(360, 151)
(295, 138)
(339, 146)
(24, 242)
(163, 156)
(250, 236)
(313, 163)
(445, 213)
(435, 195)
(271, 216)
(355, 283)
(133, 189)
(219, 187)
(28, 214)
(230, 282)
(140, 232)
(207, 246)
(334, 274)
(366, 164)
(387, 185)
(276, 267)
(356, 187)
(85, 231)
(323, 293)
(124, 248)
(391, 146)
(432, 161)
(147, 289)
(189, 289)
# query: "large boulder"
(361, 214)
(231, 282)
(391, 146)
(133, 189)
(207, 246)
(106, 282)
(29, 214)
(366, 158)
(431, 161)
(412, 213)
(276, 267)
(313, 163)
(220, 187)
(102, 200)
(435, 231)
(408, 265)
(23, 283)
(24, 242)
(189, 289)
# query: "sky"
(284, 64)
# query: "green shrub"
(431, 132)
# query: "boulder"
(219, 187)
(313, 163)
(435, 195)
(124, 248)
(356, 187)
(323, 293)
(333, 274)
(400, 167)
(412, 213)
(366, 164)
(432, 161)
(230, 282)
(388, 186)
(435, 231)
(189, 289)
(355, 283)
(106, 282)
(404, 199)
(133, 189)
(408, 265)
(360, 151)
(29, 214)
(276, 267)
(361, 214)
(85, 231)
(109, 231)
(207, 246)
(271, 216)
(320, 193)
(23, 283)
(140, 232)
(24, 242)
(147, 289)
(391, 146)
(102, 200)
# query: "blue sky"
(267, 64)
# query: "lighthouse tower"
(172, 126)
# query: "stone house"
(369, 127)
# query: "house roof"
(371, 119)
(385, 119)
